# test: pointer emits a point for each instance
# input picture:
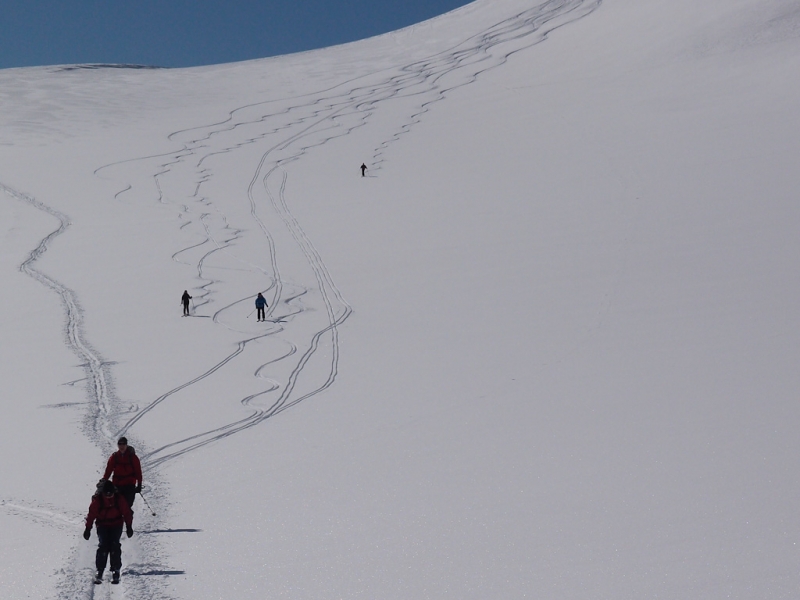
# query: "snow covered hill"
(546, 348)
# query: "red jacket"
(126, 468)
(109, 512)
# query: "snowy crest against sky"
(186, 34)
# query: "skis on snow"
(98, 578)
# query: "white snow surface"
(547, 348)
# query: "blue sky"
(182, 33)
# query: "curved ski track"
(312, 121)
(100, 423)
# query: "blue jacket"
(260, 302)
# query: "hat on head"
(108, 487)
(123, 440)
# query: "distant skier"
(185, 299)
(127, 471)
(261, 303)
(363, 170)
(110, 511)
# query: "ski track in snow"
(311, 121)
(43, 514)
(100, 425)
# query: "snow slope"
(546, 348)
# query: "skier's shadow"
(135, 573)
(170, 531)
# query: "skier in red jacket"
(110, 510)
(127, 471)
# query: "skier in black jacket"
(261, 302)
(185, 299)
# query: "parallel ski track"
(97, 374)
(326, 116)
(320, 117)
(101, 420)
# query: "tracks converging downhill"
(270, 136)
(290, 129)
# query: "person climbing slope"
(185, 300)
(125, 470)
(110, 511)
(261, 303)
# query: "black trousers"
(109, 537)
(129, 493)
(260, 313)
(186, 308)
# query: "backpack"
(99, 488)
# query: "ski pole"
(251, 312)
(148, 504)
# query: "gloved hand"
(87, 533)
(128, 532)
(138, 489)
